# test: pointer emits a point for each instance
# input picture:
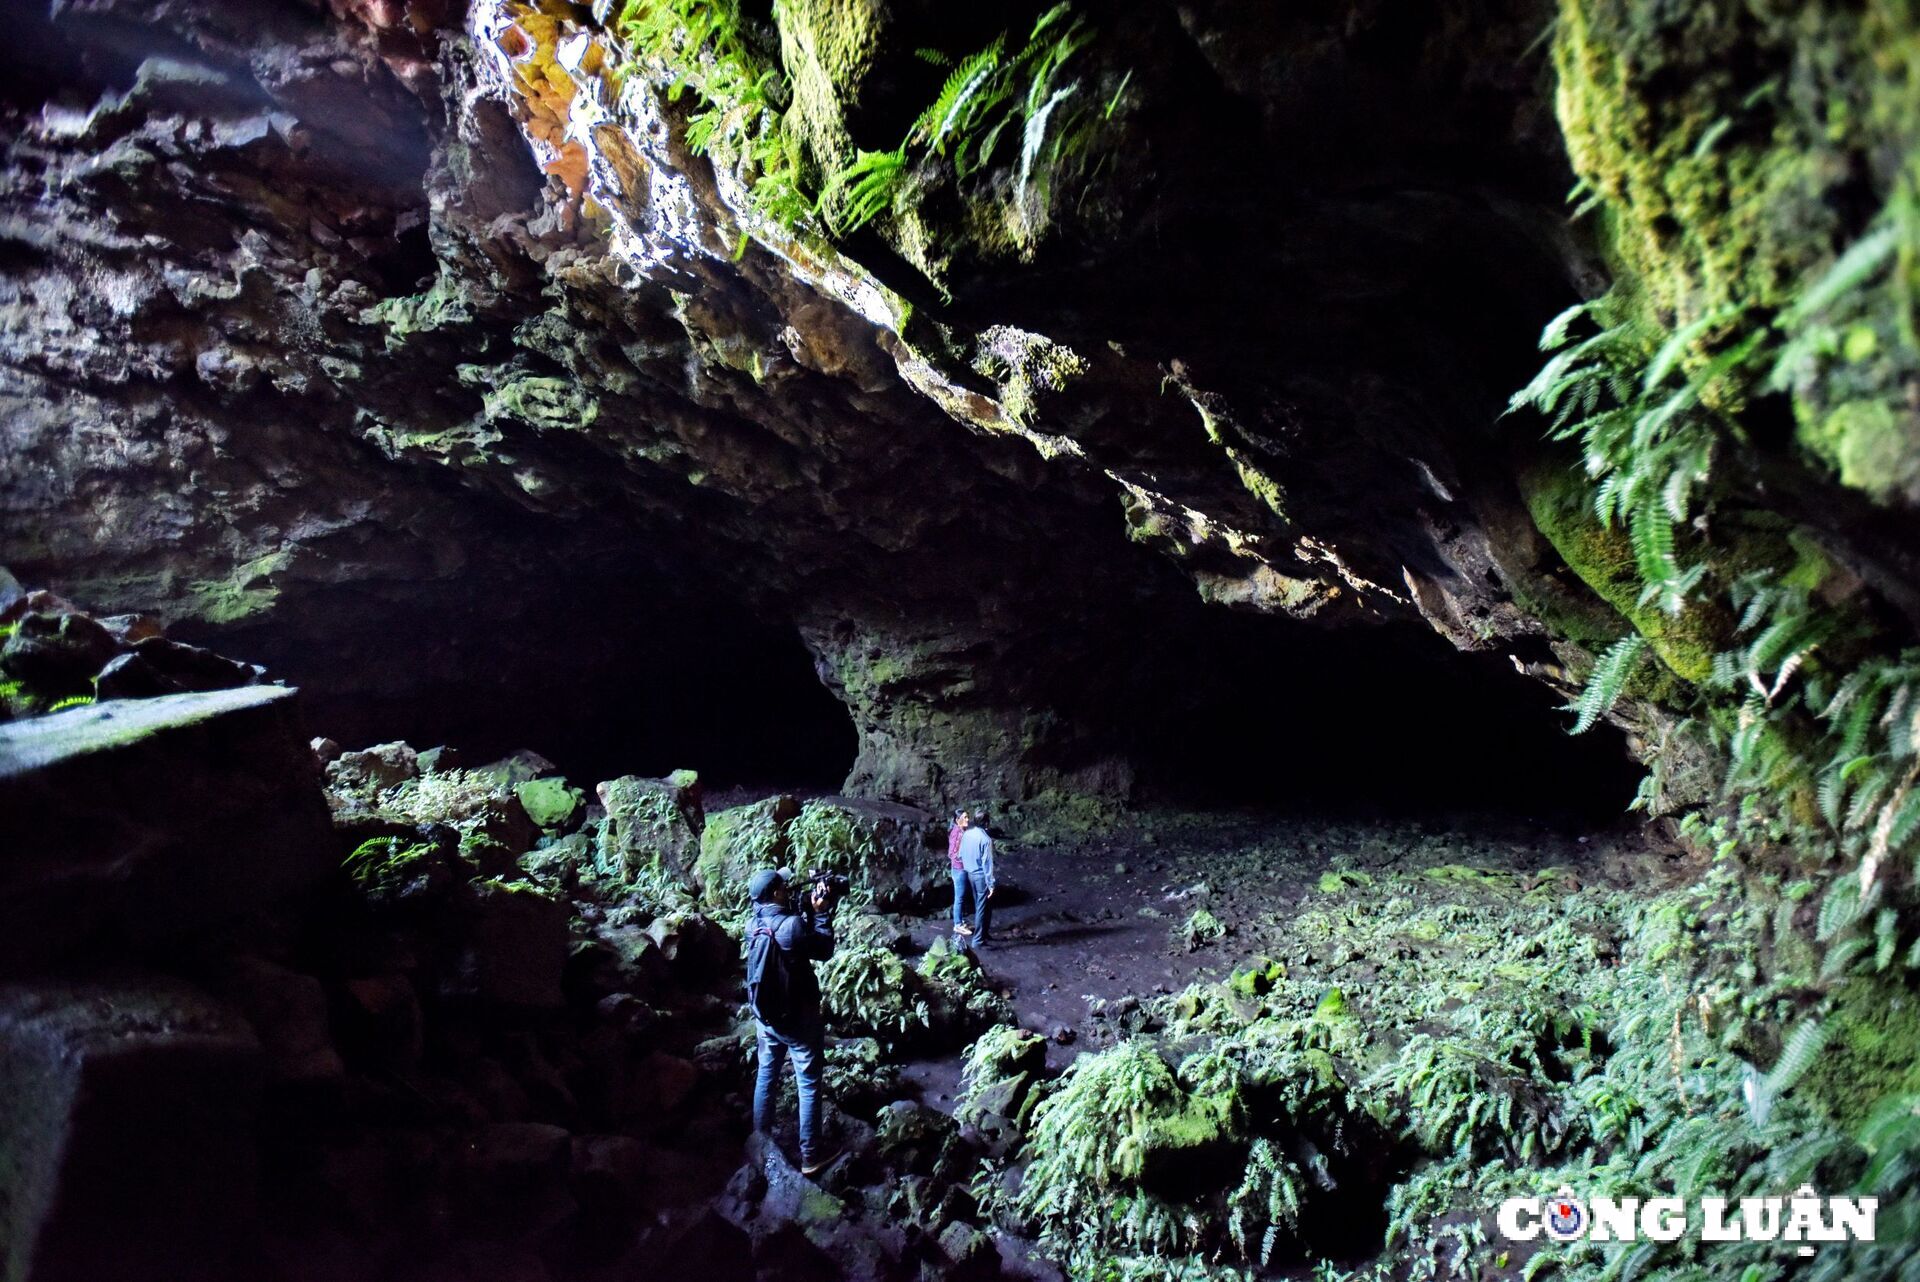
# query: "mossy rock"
(57, 655)
(1257, 978)
(892, 852)
(1872, 1033)
(1871, 446)
(1738, 152)
(1560, 499)
(739, 840)
(829, 49)
(550, 803)
(652, 829)
(558, 862)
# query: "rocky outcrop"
(438, 329)
(214, 813)
(508, 302)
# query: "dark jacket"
(805, 938)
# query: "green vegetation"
(1025, 113)
(739, 91)
(1200, 929)
(1751, 294)
(994, 96)
(387, 871)
(867, 990)
(1489, 1036)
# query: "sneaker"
(819, 1164)
(963, 929)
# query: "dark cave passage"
(602, 682)
(1382, 721)
(609, 675)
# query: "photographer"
(783, 942)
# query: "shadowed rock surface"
(142, 820)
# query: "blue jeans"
(977, 883)
(805, 1051)
(959, 896)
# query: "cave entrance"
(605, 678)
(1388, 720)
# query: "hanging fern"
(864, 190)
(1607, 681)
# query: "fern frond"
(966, 93)
(1851, 270)
(864, 190)
(1608, 679)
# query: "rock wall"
(319, 321)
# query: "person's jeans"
(806, 1052)
(977, 881)
(959, 896)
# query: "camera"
(836, 884)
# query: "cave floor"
(1087, 929)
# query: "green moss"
(1027, 367)
(550, 803)
(542, 402)
(1257, 978)
(739, 840)
(1869, 445)
(444, 305)
(1560, 500)
(1869, 1053)
(829, 49)
(1671, 113)
(248, 591)
(1200, 929)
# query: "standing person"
(976, 860)
(782, 944)
(960, 821)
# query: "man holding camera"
(783, 942)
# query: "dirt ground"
(1084, 931)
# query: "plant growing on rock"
(1091, 1142)
(866, 989)
(388, 872)
(1199, 929)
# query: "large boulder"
(57, 652)
(652, 828)
(895, 851)
(507, 945)
(156, 666)
(739, 840)
(128, 1108)
(550, 803)
(142, 820)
